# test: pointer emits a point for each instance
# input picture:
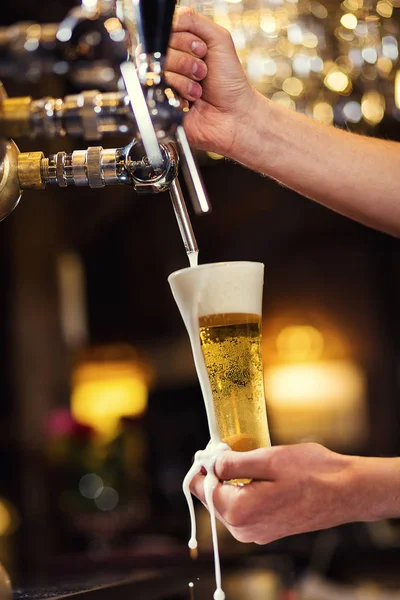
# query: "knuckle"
(224, 464)
(171, 79)
(178, 40)
(274, 457)
(226, 34)
(183, 63)
(319, 448)
(186, 12)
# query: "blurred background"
(100, 407)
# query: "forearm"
(373, 488)
(355, 175)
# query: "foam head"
(216, 288)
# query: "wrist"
(251, 135)
(374, 488)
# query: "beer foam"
(200, 291)
(231, 287)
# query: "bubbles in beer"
(231, 345)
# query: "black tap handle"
(154, 22)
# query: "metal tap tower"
(148, 111)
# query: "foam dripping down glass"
(221, 306)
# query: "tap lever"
(141, 113)
(193, 178)
(154, 22)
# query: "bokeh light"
(293, 51)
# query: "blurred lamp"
(9, 518)
(311, 397)
(109, 383)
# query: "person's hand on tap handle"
(201, 51)
(352, 174)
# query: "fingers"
(184, 67)
(187, 42)
(241, 509)
(254, 464)
(221, 496)
(188, 89)
(225, 496)
(187, 19)
(185, 64)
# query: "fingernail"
(199, 69)
(195, 90)
(198, 48)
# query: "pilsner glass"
(221, 303)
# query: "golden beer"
(231, 345)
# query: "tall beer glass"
(222, 303)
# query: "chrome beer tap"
(87, 47)
(90, 115)
(148, 111)
(154, 23)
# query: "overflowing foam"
(200, 291)
(217, 288)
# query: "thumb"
(254, 464)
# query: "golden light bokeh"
(337, 81)
(349, 20)
(323, 112)
(302, 49)
(384, 9)
(299, 343)
(293, 86)
(9, 518)
(373, 107)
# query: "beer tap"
(154, 23)
(149, 111)
(88, 47)
(90, 114)
(158, 110)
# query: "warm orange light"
(104, 391)
(397, 89)
(112, 24)
(322, 400)
(268, 24)
(315, 390)
(337, 81)
(349, 21)
(9, 519)
(299, 343)
(293, 86)
(323, 111)
(373, 107)
(385, 9)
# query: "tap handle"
(193, 179)
(154, 22)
